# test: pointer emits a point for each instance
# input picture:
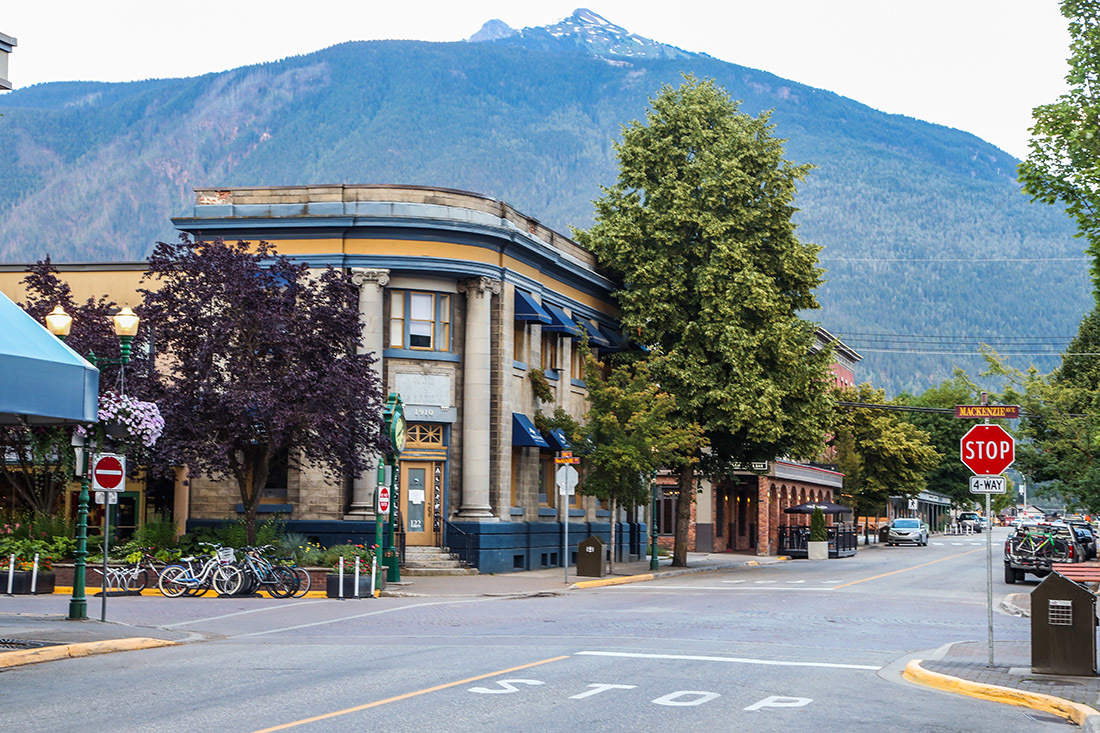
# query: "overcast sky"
(977, 65)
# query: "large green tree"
(1063, 163)
(879, 452)
(698, 228)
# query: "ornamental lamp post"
(59, 323)
(653, 523)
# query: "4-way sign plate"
(988, 485)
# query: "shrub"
(818, 532)
(331, 557)
(159, 532)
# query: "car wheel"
(1021, 575)
(1010, 575)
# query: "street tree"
(698, 229)
(1063, 162)
(879, 452)
(258, 362)
(41, 458)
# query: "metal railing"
(449, 543)
(793, 540)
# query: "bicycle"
(258, 571)
(132, 578)
(217, 572)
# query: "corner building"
(463, 298)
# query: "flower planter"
(817, 550)
(21, 582)
(332, 584)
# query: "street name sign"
(988, 485)
(109, 472)
(987, 450)
(981, 412)
(566, 457)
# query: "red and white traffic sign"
(987, 450)
(383, 499)
(109, 472)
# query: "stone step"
(442, 562)
(427, 572)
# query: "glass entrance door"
(417, 503)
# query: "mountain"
(923, 228)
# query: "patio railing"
(843, 540)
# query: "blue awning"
(560, 322)
(557, 440)
(42, 381)
(615, 340)
(524, 433)
(527, 309)
(595, 338)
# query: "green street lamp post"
(653, 524)
(393, 415)
(59, 324)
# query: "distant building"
(7, 43)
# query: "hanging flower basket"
(127, 418)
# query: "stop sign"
(987, 450)
(108, 472)
(383, 499)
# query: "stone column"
(476, 399)
(372, 284)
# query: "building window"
(666, 512)
(425, 435)
(420, 320)
(546, 480)
(519, 342)
(576, 363)
(517, 463)
(551, 343)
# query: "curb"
(73, 651)
(660, 574)
(1009, 605)
(1080, 714)
(68, 591)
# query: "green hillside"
(917, 220)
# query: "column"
(372, 284)
(476, 399)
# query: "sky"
(976, 65)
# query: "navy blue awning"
(557, 440)
(42, 381)
(615, 341)
(595, 338)
(560, 322)
(529, 310)
(524, 433)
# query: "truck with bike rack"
(1033, 548)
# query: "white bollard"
(373, 574)
(357, 577)
(11, 573)
(341, 596)
(34, 576)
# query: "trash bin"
(884, 533)
(590, 558)
(1063, 628)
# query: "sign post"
(988, 451)
(566, 479)
(108, 479)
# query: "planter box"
(818, 550)
(332, 584)
(21, 583)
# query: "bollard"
(341, 595)
(373, 574)
(11, 573)
(357, 577)
(34, 576)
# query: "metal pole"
(564, 498)
(653, 523)
(106, 536)
(989, 576)
(78, 604)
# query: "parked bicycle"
(134, 577)
(278, 580)
(217, 571)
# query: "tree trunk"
(611, 555)
(685, 494)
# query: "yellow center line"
(905, 570)
(407, 695)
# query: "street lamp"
(58, 322)
(653, 523)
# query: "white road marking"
(733, 581)
(697, 697)
(729, 660)
(358, 615)
(660, 588)
(242, 613)
(776, 701)
(766, 582)
(507, 686)
(796, 581)
(600, 687)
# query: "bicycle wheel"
(169, 582)
(303, 581)
(227, 580)
(285, 582)
(137, 579)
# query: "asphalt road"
(791, 646)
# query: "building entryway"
(418, 502)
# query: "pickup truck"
(1034, 546)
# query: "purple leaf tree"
(257, 359)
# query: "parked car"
(907, 530)
(973, 520)
(1086, 537)
(1034, 546)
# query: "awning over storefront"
(595, 338)
(42, 380)
(557, 440)
(615, 341)
(527, 309)
(560, 322)
(525, 434)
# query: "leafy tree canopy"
(259, 360)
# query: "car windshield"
(968, 515)
(907, 523)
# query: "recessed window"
(519, 342)
(551, 343)
(420, 320)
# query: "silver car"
(907, 530)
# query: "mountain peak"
(584, 30)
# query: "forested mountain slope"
(923, 227)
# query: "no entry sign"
(109, 472)
(987, 450)
(383, 499)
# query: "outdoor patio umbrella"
(827, 507)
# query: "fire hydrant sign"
(109, 472)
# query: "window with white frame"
(420, 320)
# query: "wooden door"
(417, 502)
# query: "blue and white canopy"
(42, 381)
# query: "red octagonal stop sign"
(987, 450)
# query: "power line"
(971, 260)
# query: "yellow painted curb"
(614, 581)
(68, 591)
(1034, 700)
(72, 651)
